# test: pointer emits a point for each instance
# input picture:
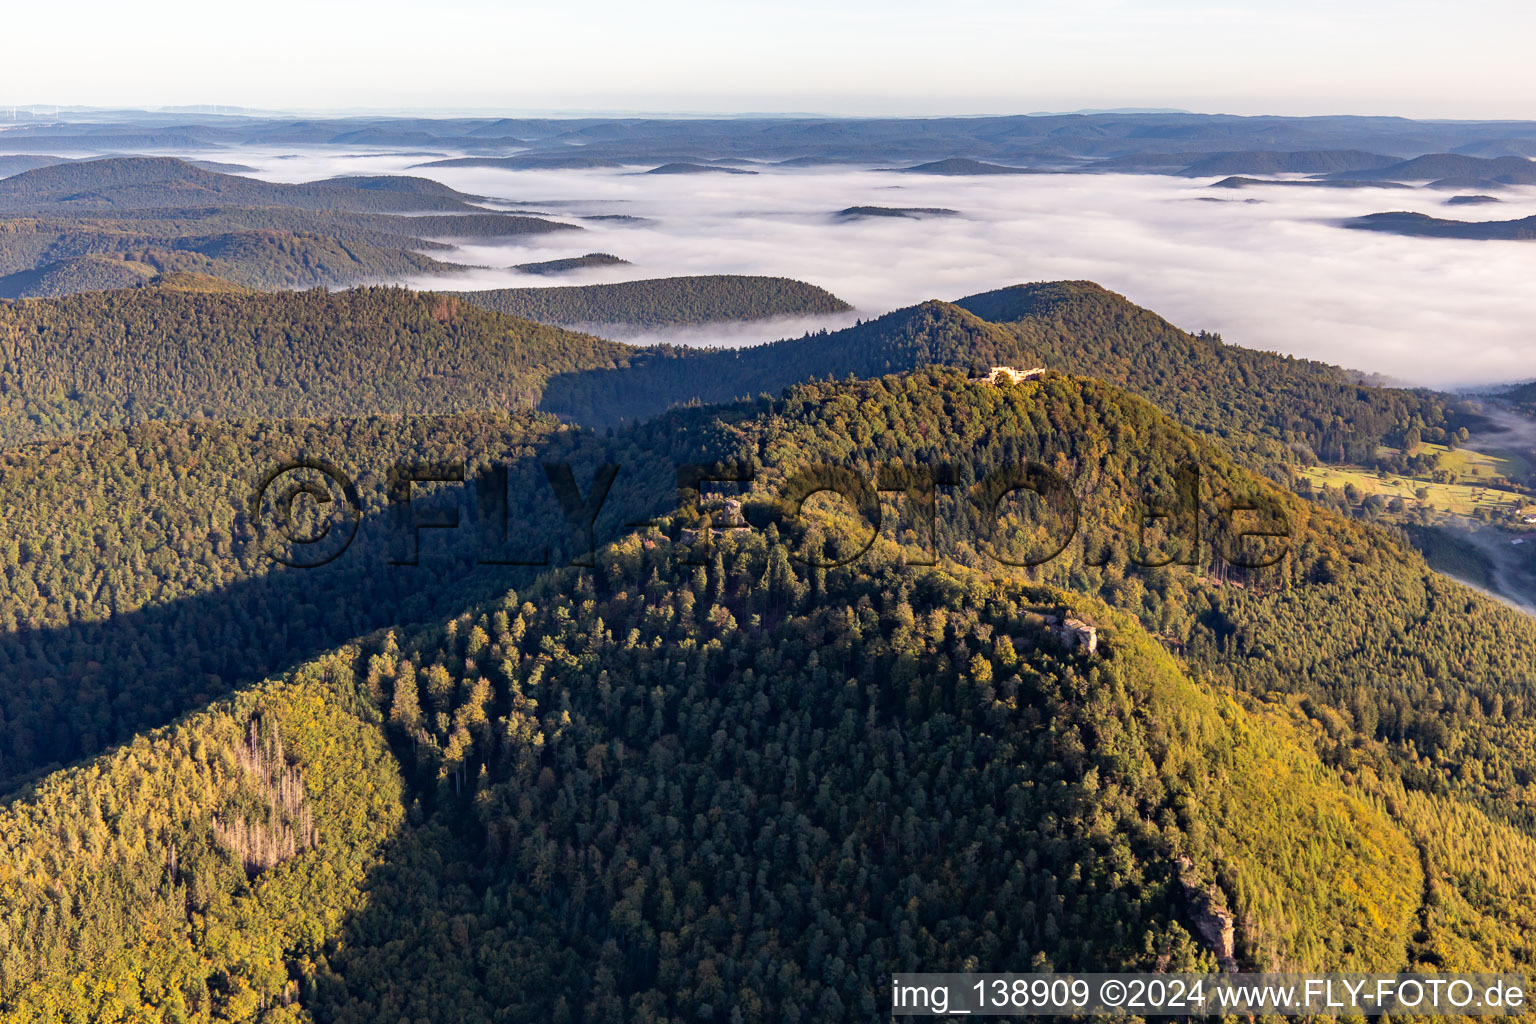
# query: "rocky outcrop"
(1208, 912)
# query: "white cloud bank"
(1277, 274)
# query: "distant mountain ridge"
(1423, 225)
(15, 164)
(668, 301)
(1241, 181)
(265, 260)
(1316, 161)
(688, 168)
(531, 162)
(1264, 405)
(1437, 167)
(1160, 141)
(961, 167)
(187, 354)
(916, 212)
(77, 274)
(165, 182)
(330, 233)
(570, 263)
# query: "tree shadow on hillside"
(603, 398)
(71, 692)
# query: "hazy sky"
(1469, 59)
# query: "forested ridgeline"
(571, 263)
(138, 583)
(1409, 665)
(750, 791)
(382, 350)
(1523, 397)
(27, 242)
(663, 376)
(664, 301)
(731, 790)
(113, 359)
(255, 259)
(1422, 225)
(1167, 142)
(748, 784)
(163, 214)
(163, 183)
(77, 274)
(117, 523)
(136, 551)
(1261, 405)
(759, 790)
(197, 873)
(140, 577)
(1220, 389)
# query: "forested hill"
(80, 274)
(69, 562)
(137, 183)
(1328, 621)
(165, 215)
(1508, 170)
(1523, 396)
(1224, 390)
(1249, 399)
(664, 302)
(1063, 142)
(1270, 162)
(755, 786)
(646, 794)
(663, 376)
(260, 247)
(177, 354)
(249, 259)
(1522, 229)
(114, 358)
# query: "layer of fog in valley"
(1267, 267)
